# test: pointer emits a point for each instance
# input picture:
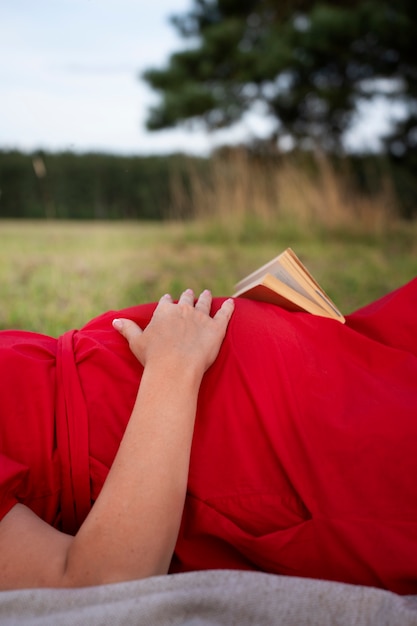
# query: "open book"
(287, 282)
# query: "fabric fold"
(72, 437)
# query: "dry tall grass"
(239, 191)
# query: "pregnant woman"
(205, 434)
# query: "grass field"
(57, 275)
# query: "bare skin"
(132, 529)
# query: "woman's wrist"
(170, 371)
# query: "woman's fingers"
(187, 297)
(204, 302)
(128, 328)
(225, 311)
(166, 298)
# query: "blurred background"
(146, 147)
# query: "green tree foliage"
(308, 63)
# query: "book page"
(275, 268)
(259, 273)
(304, 275)
(285, 277)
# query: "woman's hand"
(182, 335)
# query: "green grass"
(58, 275)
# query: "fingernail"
(117, 324)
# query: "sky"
(70, 76)
(70, 79)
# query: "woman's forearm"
(132, 528)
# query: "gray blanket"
(214, 598)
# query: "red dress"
(304, 459)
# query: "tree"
(308, 64)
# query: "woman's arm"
(132, 529)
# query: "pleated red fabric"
(304, 459)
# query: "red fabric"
(304, 459)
